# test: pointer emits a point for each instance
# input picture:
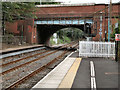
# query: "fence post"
(108, 50)
(116, 51)
(79, 48)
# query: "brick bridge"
(52, 18)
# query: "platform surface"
(74, 72)
(18, 48)
(57, 75)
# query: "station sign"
(117, 37)
(100, 29)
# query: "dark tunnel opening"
(44, 32)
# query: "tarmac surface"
(78, 76)
(106, 74)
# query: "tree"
(116, 30)
(17, 10)
(72, 33)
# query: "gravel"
(36, 78)
(25, 70)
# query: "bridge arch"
(44, 32)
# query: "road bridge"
(51, 18)
(56, 17)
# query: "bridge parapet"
(64, 22)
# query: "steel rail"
(35, 72)
(16, 53)
(19, 66)
(3, 65)
(30, 67)
(15, 84)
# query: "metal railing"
(96, 49)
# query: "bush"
(67, 39)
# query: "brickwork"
(82, 11)
(23, 27)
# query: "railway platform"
(82, 73)
(19, 48)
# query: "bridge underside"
(44, 32)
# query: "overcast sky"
(88, 1)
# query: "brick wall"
(29, 30)
(23, 27)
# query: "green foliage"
(72, 33)
(115, 31)
(51, 41)
(17, 10)
(67, 35)
(67, 39)
(60, 41)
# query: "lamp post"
(109, 20)
(3, 23)
(40, 2)
(100, 26)
(117, 39)
(87, 31)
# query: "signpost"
(100, 33)
(117, 38)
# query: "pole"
(3, 24)
(116, 46)
(22, 35)
(85, 26)
(109, 20)
(116, 51)
(108, 29)
(105, 28)
(40, 2)
(100, 27)
(109, 23)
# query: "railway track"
(15, 84)
(19, 52)
(16, 68)
(19, 66)
(3, 65)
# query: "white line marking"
(92, 69)
(93, 81)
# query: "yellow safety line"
(69, 78)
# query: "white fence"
(96, 49)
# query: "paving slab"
(49, 81)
